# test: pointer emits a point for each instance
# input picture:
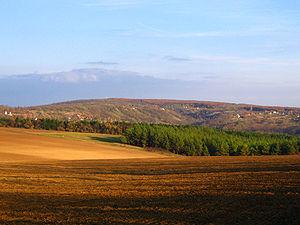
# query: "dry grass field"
(41, 184)
(21, 145)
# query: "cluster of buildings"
(6, 113)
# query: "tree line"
(185, 140)
(196, 140)
(89, 126)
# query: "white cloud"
(70, 77)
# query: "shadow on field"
(181, 209)
(108, 139)
(197, 190)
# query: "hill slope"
(214, 114)
(19, 145)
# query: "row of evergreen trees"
(195, 140)
(185, 140)
(89, 126)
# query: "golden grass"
(33, 145)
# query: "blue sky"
(242, 43)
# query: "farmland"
(20, 145)
(88, 187)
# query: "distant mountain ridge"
(96, 83)
(38, 89)
(213, 114)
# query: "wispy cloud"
(234, 60)
(145, 30)
(247, 61)
(102, 63)
(177, 59)
(120, 4)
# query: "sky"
(238, 44)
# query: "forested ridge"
(242, 117)
(180, 139)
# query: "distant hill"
(38, 89)
(96, 83)
(213, 114)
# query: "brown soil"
(145, 190)
(203, 190)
